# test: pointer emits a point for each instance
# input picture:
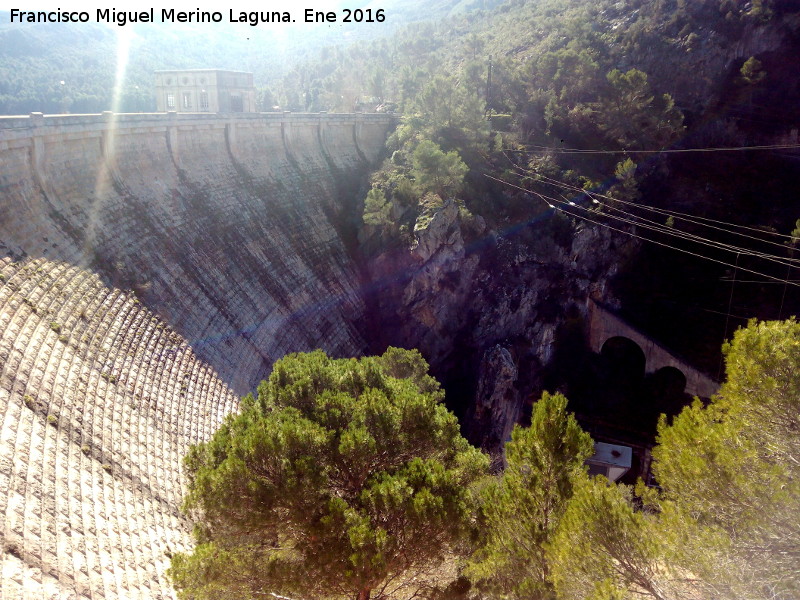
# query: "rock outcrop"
(484, 306)
(498, 405)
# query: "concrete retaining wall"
(152, 268)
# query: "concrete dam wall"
(152, 267)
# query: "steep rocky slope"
(484, 306)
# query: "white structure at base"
(610, 460)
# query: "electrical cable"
(678, 232)
(675, 214)
(631, 234)
(637, 220)
(685, 216)
(551, 149)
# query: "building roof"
(611, 454)
(202, 71)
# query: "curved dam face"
(152, 267)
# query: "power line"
(699, 239)
(685, 216)
(554, 150)
(658, 228)
(759, 281)
(640, 221)
(637, 220)
(549, 202)
(721, 262)
(591, 194)
(697, 220)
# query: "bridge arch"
(604, 325)
(624, 355)
(671, 379)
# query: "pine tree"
(437, 171)
(604, 549)
(522, 510)
(341, 479)
(731, 471)
(724, 522)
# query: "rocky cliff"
(484, 305)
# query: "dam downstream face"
(152, 267)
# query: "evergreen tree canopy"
(724, 523)
(341, 479)
(377, 209)
(437, 171)
(604, 549)
(731, 471)
(521, 512)
(631, 114)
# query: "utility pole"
(488, 86)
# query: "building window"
(187, 100)
(170, 100)
(236, 103)
(203, 100)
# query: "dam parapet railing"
(362, 134)
(21, 126)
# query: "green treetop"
(731, 471)
(632, 116)
(377, 209)
(604, 549)
(724, 523)
(752, 72)
(522, 510)
(437, 171)
(341, 479)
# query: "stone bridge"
(604, 325)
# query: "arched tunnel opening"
(624, 361)
(615, 388)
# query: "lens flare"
(105, 172)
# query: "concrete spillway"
(152, 267)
